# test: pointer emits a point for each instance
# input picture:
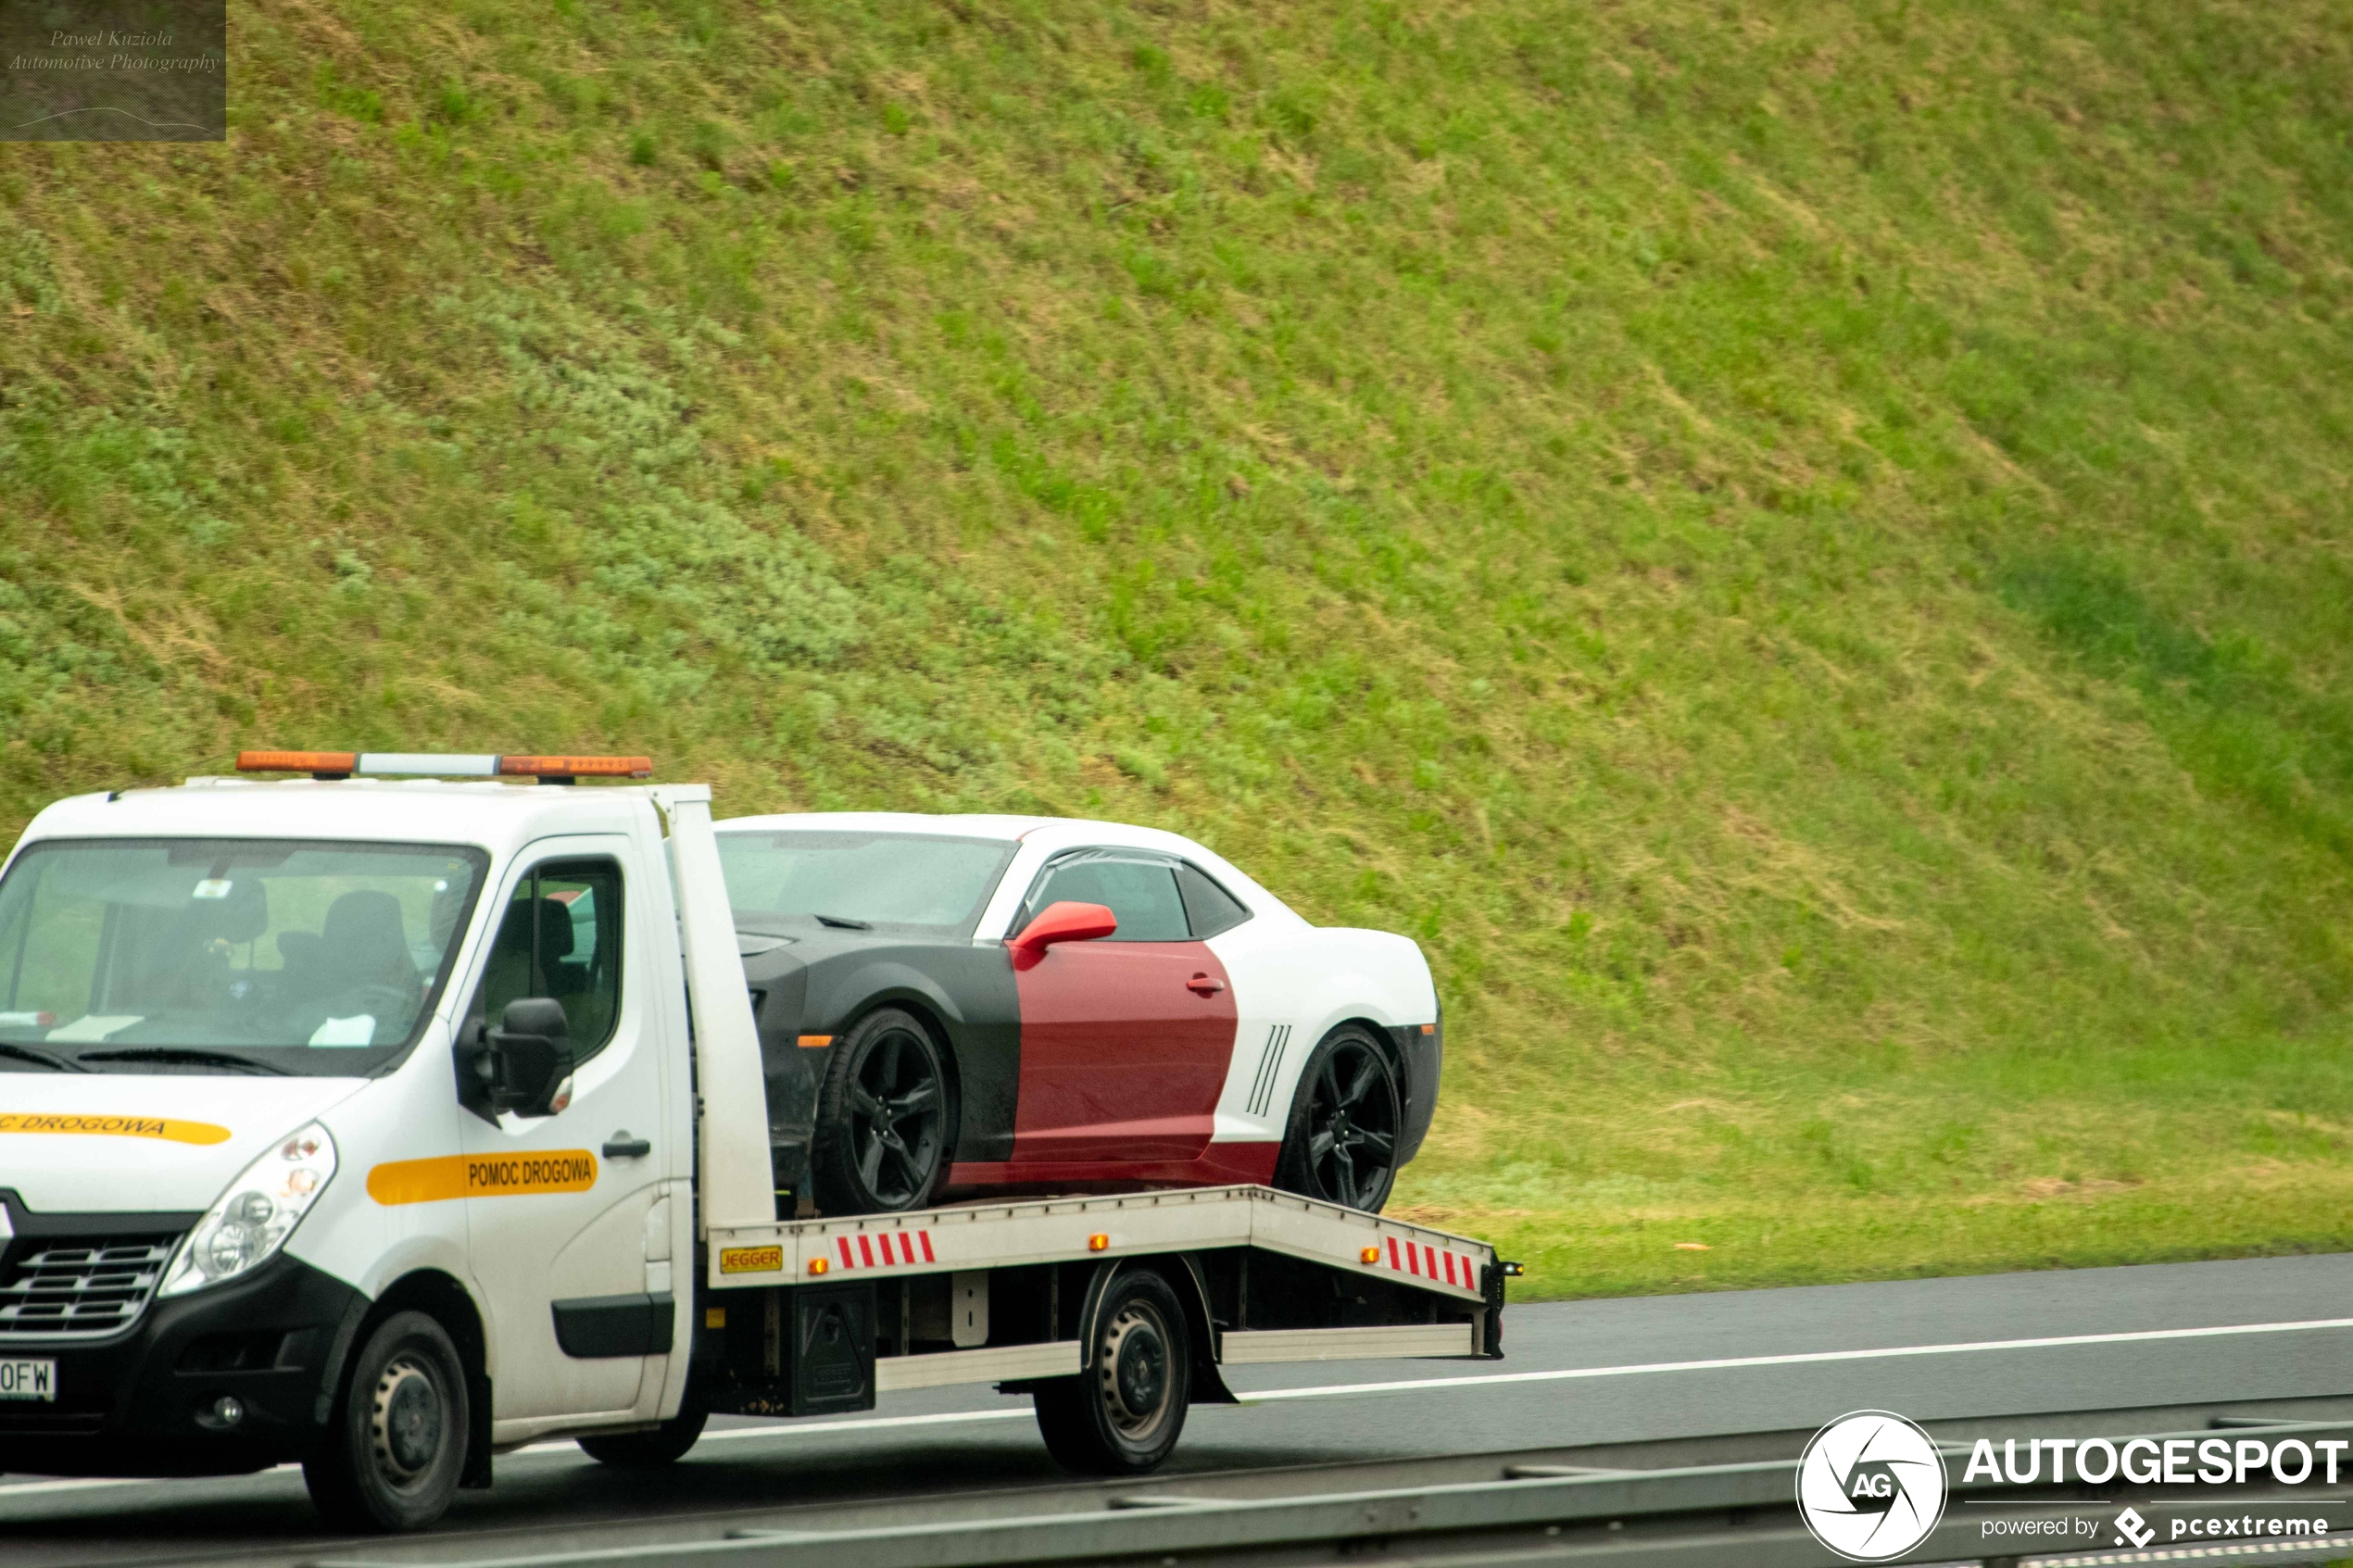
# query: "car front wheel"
(886, 1119)
(1342, 1143)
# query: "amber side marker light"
(815, 1042)
(1099, 1242)
(438, 764)
(1370, 1255)
(818, 1265)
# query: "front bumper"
(141, 1402)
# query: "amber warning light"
(424, 764)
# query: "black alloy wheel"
(1342, 1144)
(886, 1119)
(1123, 1415)
(395, 1446)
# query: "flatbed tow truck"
(394, 1236)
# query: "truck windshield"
(227, 954)
(806, 880)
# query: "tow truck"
(276, 1185)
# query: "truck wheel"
(665, 1444)
(1342, 1144)
(886, 1119)
(395, 1446)
(1124, 1413)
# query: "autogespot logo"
(1870, 1485)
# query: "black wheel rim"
(408, 1425)
(1135, 1371)
(897, 1113)
(1352, 1125)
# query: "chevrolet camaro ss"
(951, 1007)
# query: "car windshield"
(801, 880)
(226, 954)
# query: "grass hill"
(1802, 549)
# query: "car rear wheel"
(1123, 1415)
(395, 1446)
(886, 1119)
(1342, 1143)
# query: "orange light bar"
(297, 761)
(577, 767)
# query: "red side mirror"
(1064, 922)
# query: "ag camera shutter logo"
(1870, 1485)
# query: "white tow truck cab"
(384, 1122)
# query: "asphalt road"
(2271, 1335)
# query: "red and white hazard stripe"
(878, 1249)
(1432, 1263)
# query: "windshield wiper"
(186, 1056)
(46, 1059)
(843, 922)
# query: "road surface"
(2271, 1336)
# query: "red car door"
(1125, 1039)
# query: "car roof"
(1056, 831)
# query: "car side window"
(1208, 908)
(560, 937)
(1139, 891)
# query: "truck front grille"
(82, 1288)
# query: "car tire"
(1340, 1144)
(396, 1443)
(886, 1118)
(665, 1444)
(1123, 1415)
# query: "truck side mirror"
(530, 1059)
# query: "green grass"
(1802, 550)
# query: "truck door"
(564, 1213)
(1125, 1040)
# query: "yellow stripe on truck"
(112, 1126)
(481, 1175)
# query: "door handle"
(1202, 985)
(621, 1146)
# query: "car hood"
(144, 1143)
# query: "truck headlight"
(253, 1219)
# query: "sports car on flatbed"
(956, 1006)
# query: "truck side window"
(561, 939)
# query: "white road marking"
(1338, 1390)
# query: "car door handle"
(1202, 985)
(621, 1146)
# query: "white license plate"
(29, 1380)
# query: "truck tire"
(1123, 1415)
(886, 1119)
(663, 1445)
(1342, 1143)
(396, 1444)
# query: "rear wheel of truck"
(1123, 1415)
(396, 1444)
(886, 1119)
(663, 1445)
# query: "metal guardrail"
(1710, 1514)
